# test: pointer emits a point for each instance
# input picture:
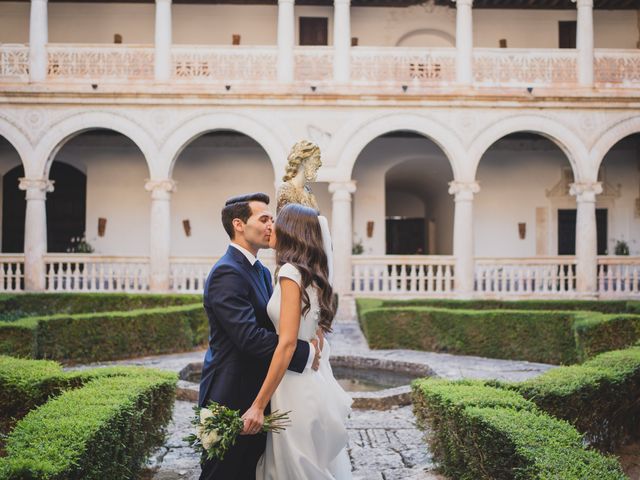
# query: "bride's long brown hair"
(299, 242)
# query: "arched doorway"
(402, 205)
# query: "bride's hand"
(253, 420)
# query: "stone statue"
(302, 168)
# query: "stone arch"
(61, 132)
(194, 128)
(446, 36)
(559, 134)
(350, 143)
(17, 140)
(610, 137)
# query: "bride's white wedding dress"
(313, 447)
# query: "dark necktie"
(259, 270)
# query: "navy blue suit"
(242, 340)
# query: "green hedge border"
(537, 335)
(92, 337)
(601, 397)
(104, 427)
(481, 432)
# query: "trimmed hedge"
(27, 384)
(101, 336)
(558, 337)
(102, 430)
(601, 306)
(525, 335)
(601, 397)
(14, 307)
(480, 432)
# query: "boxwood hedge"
(480, 432)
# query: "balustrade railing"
(617, 68)
(100, 63)
(95, 273)
(525, 276)
(313, 64)
(230, 66)
(402, 66)
(14, 62)
(256, 66)
(11, 273)
(618, 276)
(524, 67)
(410, 275)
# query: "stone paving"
(383, 445)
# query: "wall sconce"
(102, 226)
(117, 38)
(354, 41)
(187, 227)
(404, 88)
(522, 230)
(369, 229)
(313, 88)
(235, 39)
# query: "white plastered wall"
(257, 25)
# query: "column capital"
(463, 3)
(160, 189)
(342, 2)
(583, 3)
(585, 191)
(463, 190)
(280, 2)
(163, 1)
(342, 188)
(36, 188)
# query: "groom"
(242, 339)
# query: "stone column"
(35, 232)
(38, 38)
(286, 23)
(341, 41)
(464, 42)
(160, 233)
(463, 236)
(342, 234)
(586, 237)
(163, 41)
(584, 42)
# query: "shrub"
(479, 432)
(606, 306)
(103, 430)
(112, 335)
(525, 335)
(105, 335)
(16, 306)
(600, 397)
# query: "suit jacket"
(242, 339)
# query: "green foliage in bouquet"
(218, 427)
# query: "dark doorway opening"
(66, 209)
(567, 231)
(314, 31)
(567, 32)
(406, 236)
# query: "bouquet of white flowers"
(218, 427)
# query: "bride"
(302, 307)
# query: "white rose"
(210, 439)
(204, 414)
(199, 432)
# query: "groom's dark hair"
(238, 207)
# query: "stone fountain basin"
(382, 399)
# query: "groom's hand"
(315, 365)
(253, 421)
